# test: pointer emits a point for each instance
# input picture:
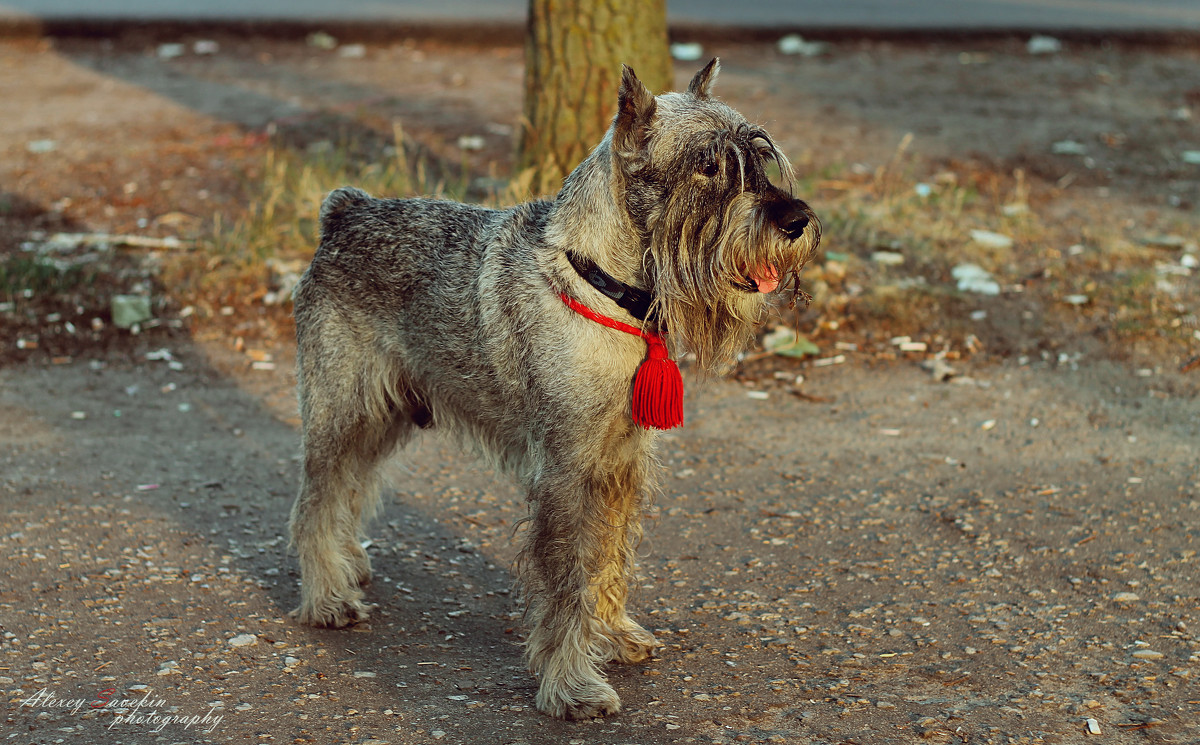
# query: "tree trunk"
(573, 55)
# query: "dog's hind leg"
(354, 410)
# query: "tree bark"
(573, 55)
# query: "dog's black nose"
(793, 224)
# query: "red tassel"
(657, 385)
(657, 389)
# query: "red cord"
(587, 312)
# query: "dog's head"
(719, 235)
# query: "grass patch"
(30, 276)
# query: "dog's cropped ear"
(635, 111)
(702, 85)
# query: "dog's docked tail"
(338, 201)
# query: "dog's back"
(386, 251)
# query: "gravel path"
(908, 560)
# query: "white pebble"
(687, 52)
(990, 239)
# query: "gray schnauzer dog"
(523, 332)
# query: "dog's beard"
(708, 268)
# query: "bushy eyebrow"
(732, 145)
(785, 166)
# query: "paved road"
(1159, 15)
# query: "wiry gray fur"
(419, 313)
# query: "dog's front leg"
(628, 643)
(563, 551)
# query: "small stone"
(1126, 597)
(1042, 44)
(990, 239)
(828, 361)
(687, 52)
(974, 278)
(243, 640)
(796, 44)
(471, 142)
(1148, 654)
(940, 369)
(1093, 727)
(321, 40)
(888, 258)
(1068, 147)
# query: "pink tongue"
(766, 278)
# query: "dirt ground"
(871, 556)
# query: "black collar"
(636, 301)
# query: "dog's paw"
(580, 701)
(333, 613)
(633, 644)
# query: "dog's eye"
(709, 169)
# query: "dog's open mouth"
(761, 279)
